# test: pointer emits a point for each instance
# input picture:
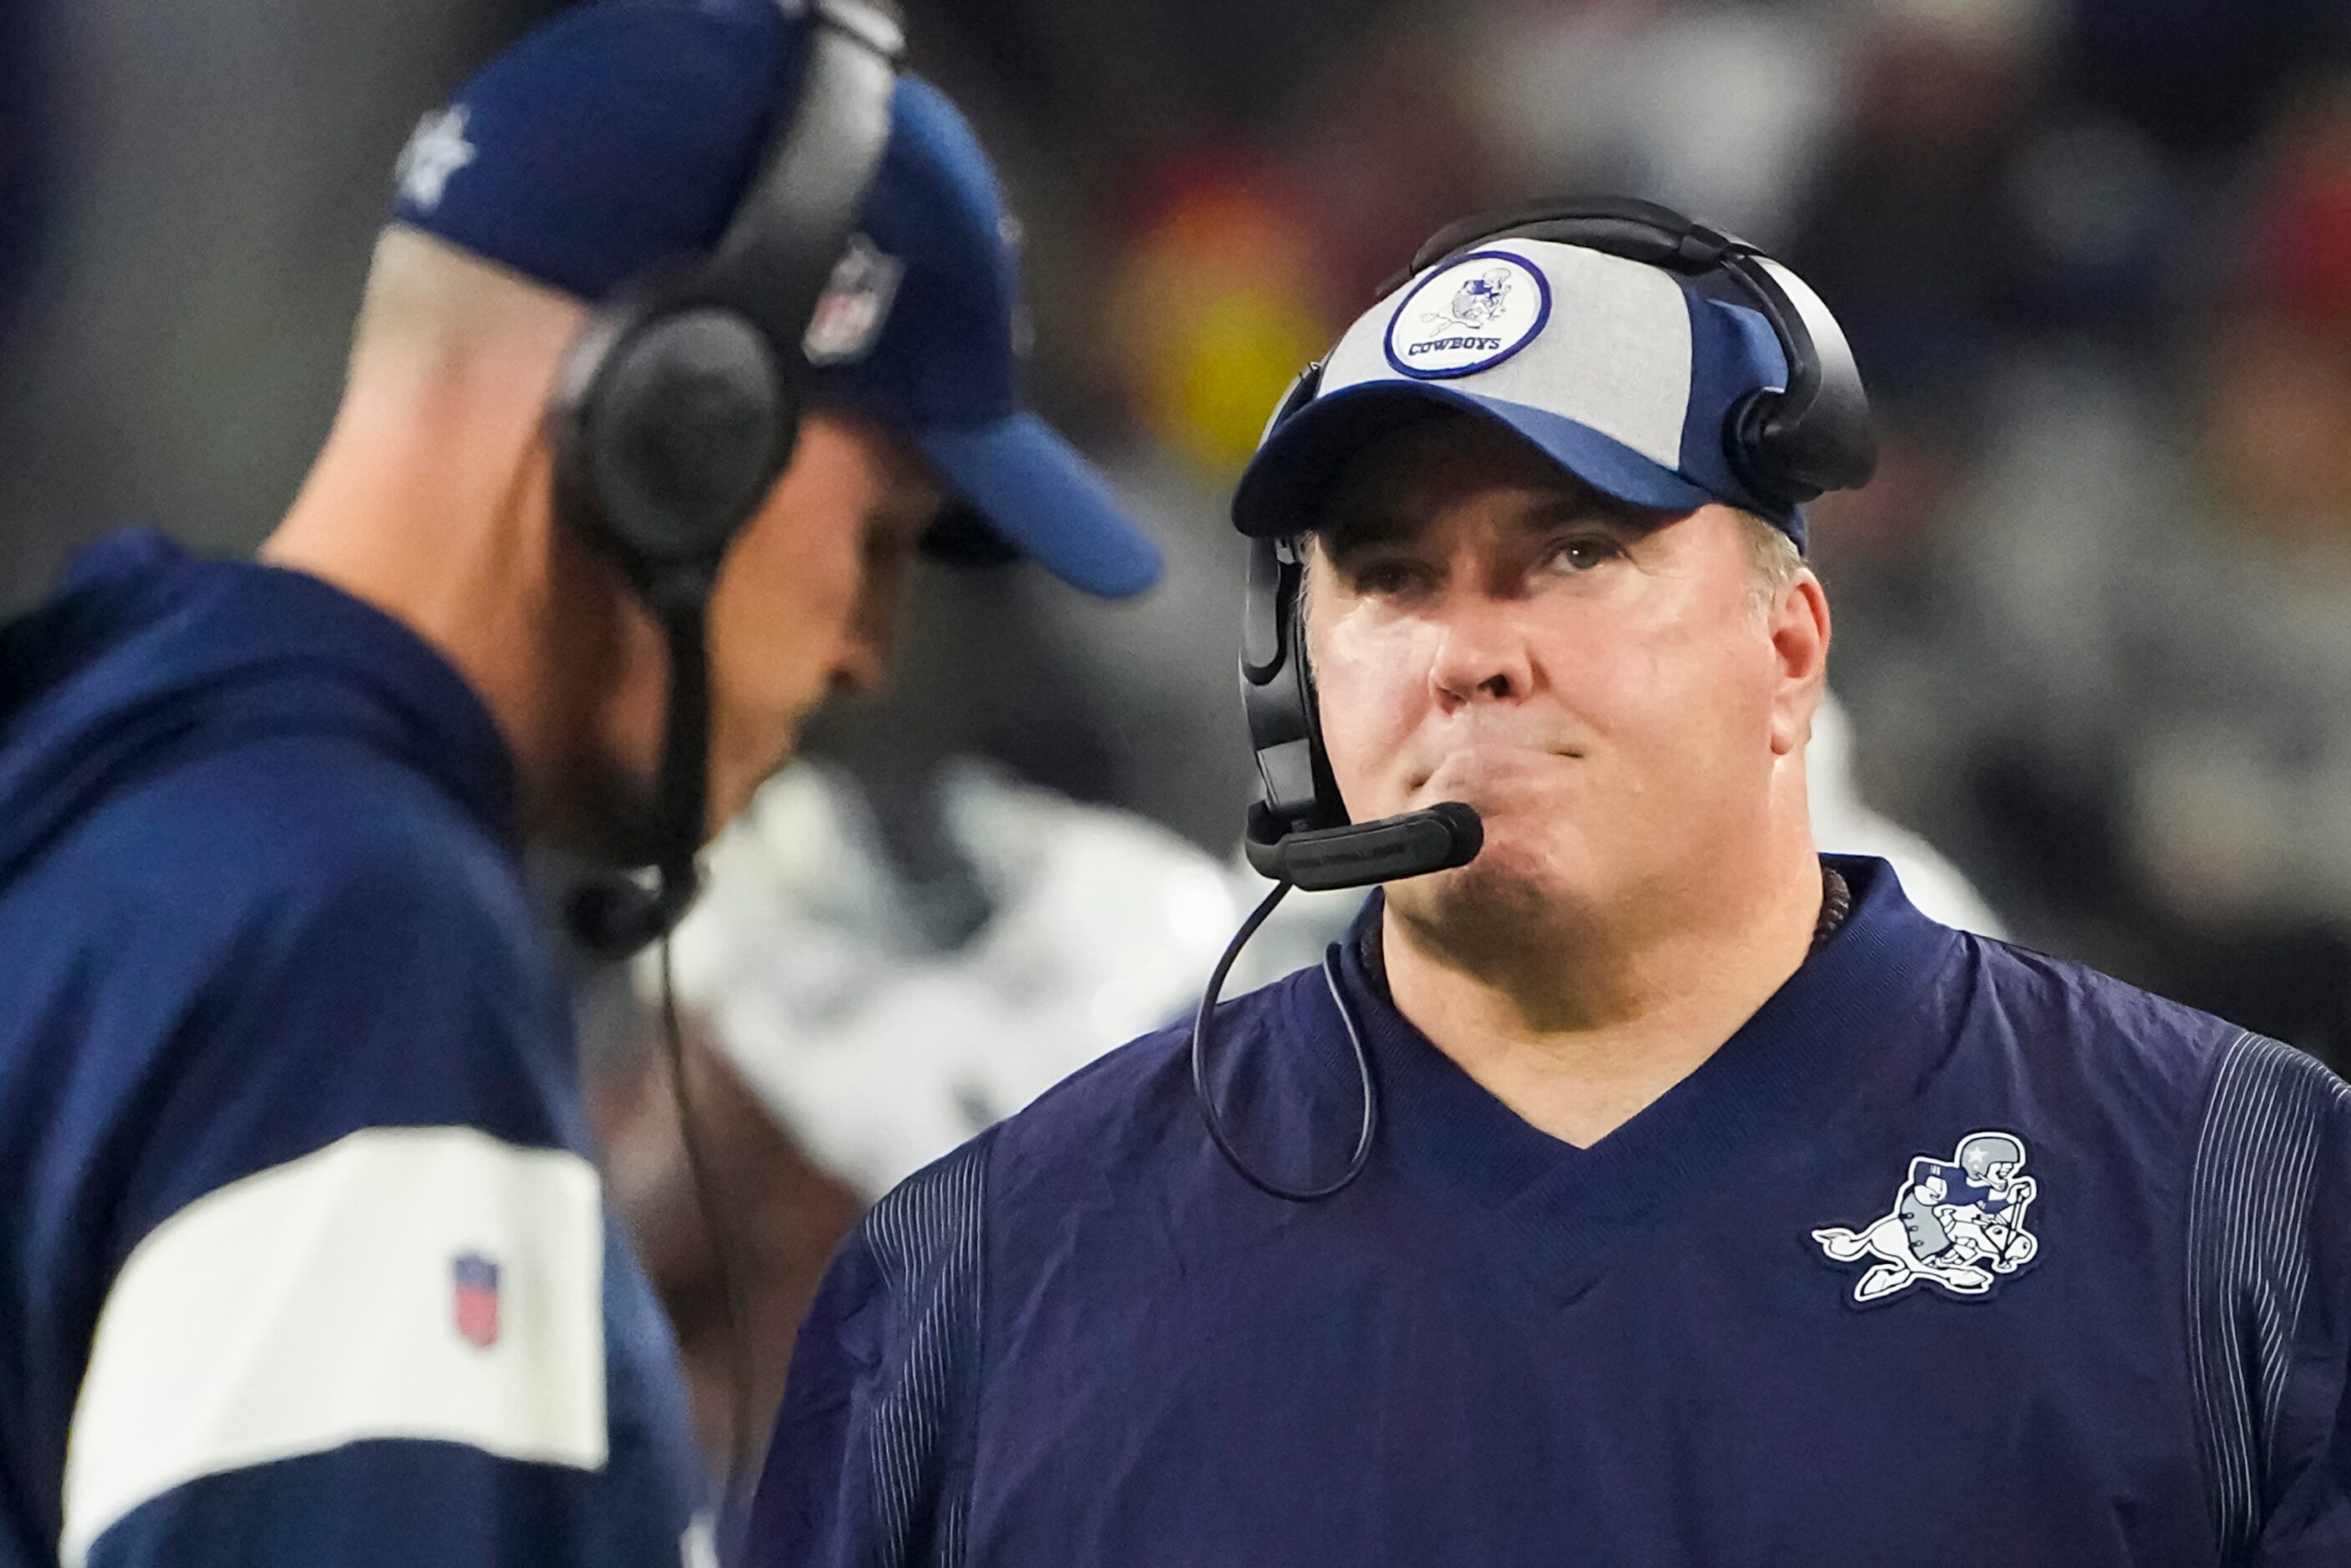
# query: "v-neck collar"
(1789, 1068)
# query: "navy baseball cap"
(1622, 373)
(621, 136)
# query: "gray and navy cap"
(621, 136)
(1623, 373)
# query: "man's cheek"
(1365, 755)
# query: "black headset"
(1785, 445)
(676, 410)
(678, 406)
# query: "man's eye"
(1383, 578)
(1583, 552)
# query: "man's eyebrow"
(1585, 506)
(1353, 533)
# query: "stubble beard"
(1499, 907)
(607, 815)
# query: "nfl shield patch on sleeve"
(476, 1279)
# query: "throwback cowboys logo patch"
(1469, 317)
(1957, 1224)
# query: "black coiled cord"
(1200, 1067)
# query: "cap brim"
(1034, 490)
(1286, 483)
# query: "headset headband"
(787, 235)
(681, 403)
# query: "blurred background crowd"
(2092, 619)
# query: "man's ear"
(1799, 628)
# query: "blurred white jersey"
(1842, 824)
(877, 1050)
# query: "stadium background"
(2094, 619)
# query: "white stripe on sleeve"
(420, 1282)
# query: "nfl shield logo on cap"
(476, 1279)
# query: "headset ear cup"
(1278, 702)
(684, 424)
(1818, 435)
(1752, 440)
(1795, 459)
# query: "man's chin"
(1520, 882)
(1499, 886)
(606, 817)
(610, 817)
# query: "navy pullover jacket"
(1953, 1253)
(303, 1257)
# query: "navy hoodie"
(303, 1255)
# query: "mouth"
(1476, 767)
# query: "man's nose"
(862, 664)
(1481, 652)
(861, 670)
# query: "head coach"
(696, 318)
(1634, 1184)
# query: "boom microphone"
(1362, 854)
(615, 916)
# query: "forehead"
(1396, 486)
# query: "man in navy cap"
(302, 1252)
(1614, 1280)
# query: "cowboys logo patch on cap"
(1469, 317)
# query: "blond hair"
(1773, 559)
(424, 295)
